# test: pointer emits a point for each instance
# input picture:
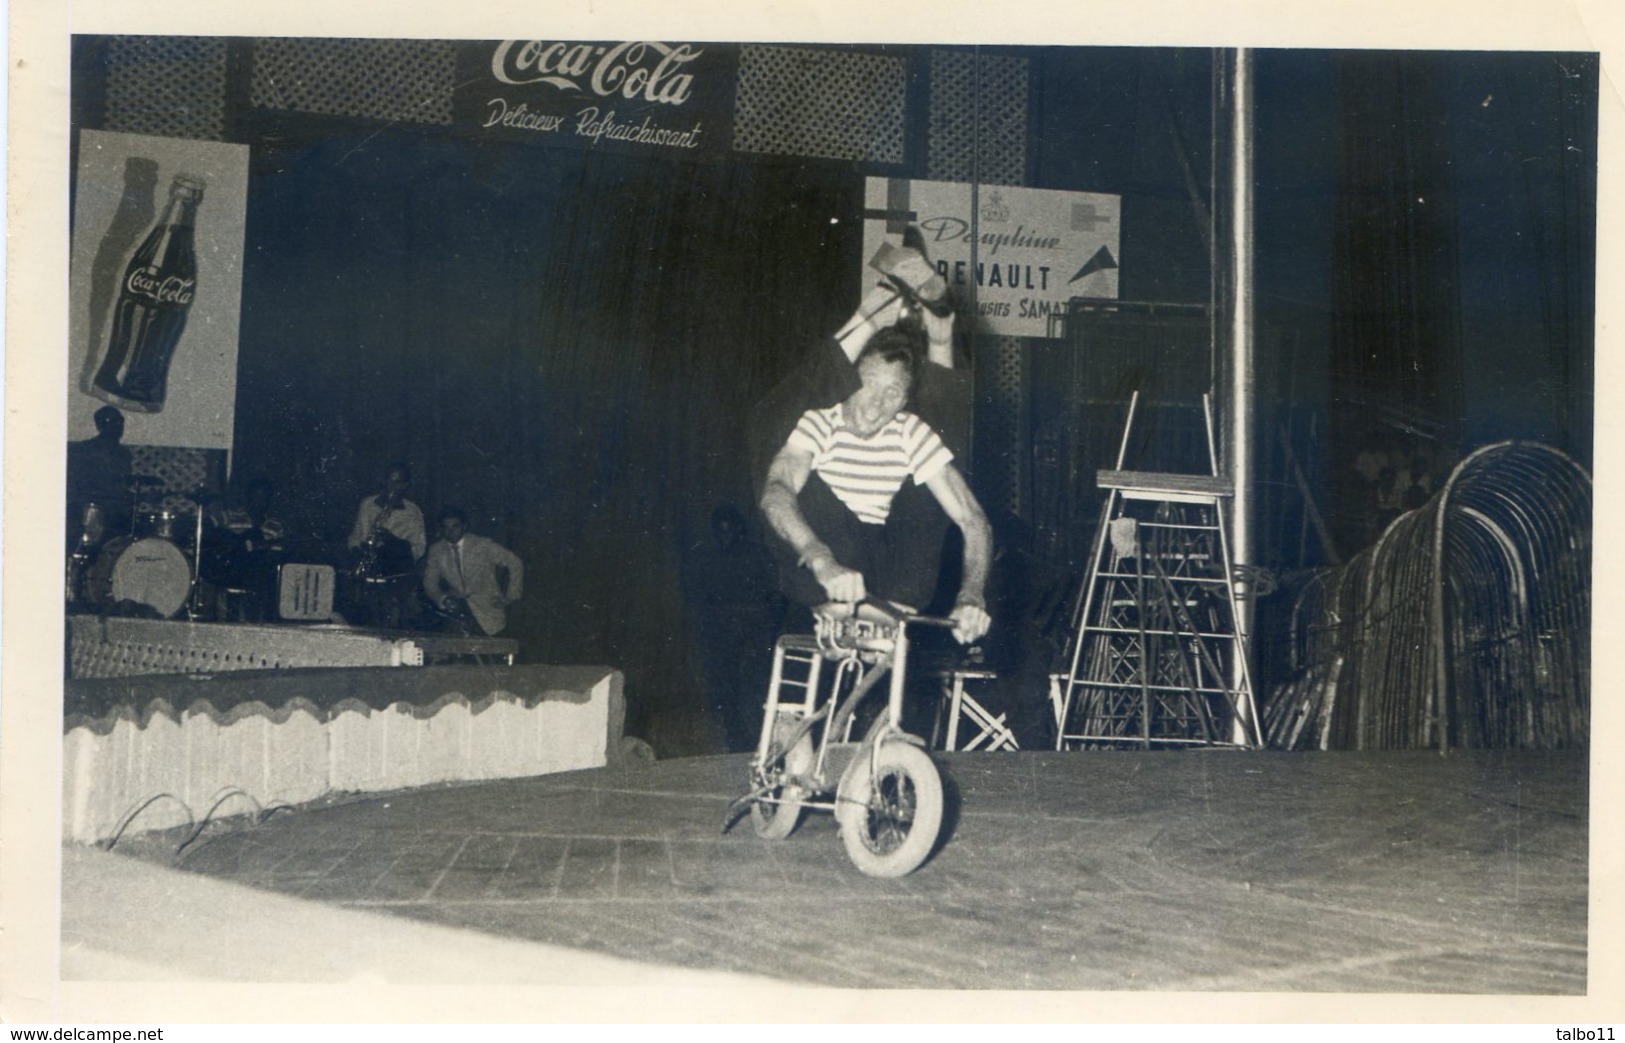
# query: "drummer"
(243, 546)
(99, 475)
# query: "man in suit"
(472, 578)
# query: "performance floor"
(1189, 870)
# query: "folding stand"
(1158, 656)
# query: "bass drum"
(150, 572)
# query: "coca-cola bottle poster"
(156, 287)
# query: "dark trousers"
(389, 603)
(900, 560)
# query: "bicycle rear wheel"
(777, 818)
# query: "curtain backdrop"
(567, 345)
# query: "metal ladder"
(1158, 655)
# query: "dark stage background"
(567, 343)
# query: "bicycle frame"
(884, 791)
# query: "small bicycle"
(885, 792)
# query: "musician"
(391, 514)
(471, 578)
(99, 472)
(390, 540)
(244, 544)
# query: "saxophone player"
(389, 539)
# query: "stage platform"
(117, 646)
(1218, 871)
(153, 752)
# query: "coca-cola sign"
(641, 70)
(159, 288)
(645, 96)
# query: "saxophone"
(366, 566)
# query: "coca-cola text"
(160, 288)
(635, 70)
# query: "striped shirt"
(867, 472)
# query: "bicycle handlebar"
(890, 612)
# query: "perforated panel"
(167, 86)
(978, 130)
(831, 104)
(406, 80)
(128, 647)
(978, 118)
(999, 423)
(179, 469)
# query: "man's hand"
(971, 621)
(839, 582)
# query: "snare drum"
(165, 523)
(148, 571)
(159, 524)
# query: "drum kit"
(152, 564)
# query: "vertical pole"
(195, 609)
(1239, 422)
(1145, 644)
(1128, 425)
